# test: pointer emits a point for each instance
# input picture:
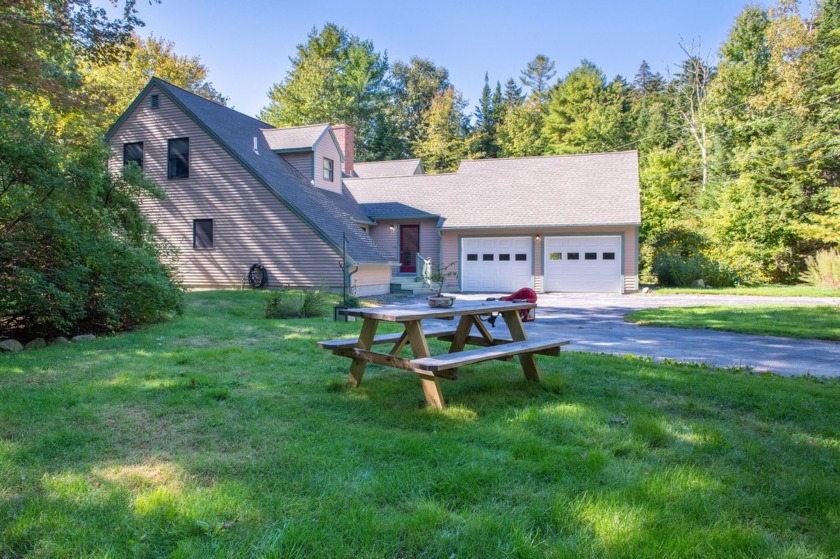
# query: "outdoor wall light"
(391, 227)
(538, 237)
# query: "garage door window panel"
(504, 258)
(573, 256)
(608, 256)
(590, 256)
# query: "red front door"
(409, 247)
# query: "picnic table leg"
(517, 333)
(420, 348)
(462, 332)
(357, 368)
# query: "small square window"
(202, 233)
(504, 258)
(521, 257)
(590, 256)
(154, 101)
(472, 258)
(328, 169)
(487, 257)
(608, 256)
(133, 153)
(179, 158)
(572, 256)
(555, 256)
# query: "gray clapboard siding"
(302, 162)
(250, 223)
(390, 240)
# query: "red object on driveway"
(529, 296)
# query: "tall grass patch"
(823, 269)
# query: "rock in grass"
(11, 345)
(37, 343)
(59, 340)
(83, 338)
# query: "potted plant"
(437, 278)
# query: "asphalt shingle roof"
(330, 214)
(397, 168)
(295, 138)
(589, 189)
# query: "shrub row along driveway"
(594, 323)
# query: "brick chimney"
(344, 135)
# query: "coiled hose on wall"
(257, 276)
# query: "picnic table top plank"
(404, 313)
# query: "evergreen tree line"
(738, 160)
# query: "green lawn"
(821, 323)
(225, 434)
(760, 290)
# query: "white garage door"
(496, 264)
(584, 264)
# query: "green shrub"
(315, 303)
(274, 304)
(679, 259)
(823, 269)
(309, 304)
(76, 253)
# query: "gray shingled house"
(240, 191)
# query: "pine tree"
(335, 77)
(585, 114)
(482, 142)
(646, 82)
(513, 94)
(537, 75)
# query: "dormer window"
(328, 169)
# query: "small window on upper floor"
(179, 158)
(202, 233)
(154, 101)
(133, 153)
(328, 169)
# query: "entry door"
(409, 247)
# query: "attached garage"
(496, 264)
(583, 264)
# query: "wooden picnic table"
(428, 367)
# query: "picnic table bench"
(429, 368)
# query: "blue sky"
(246, 44)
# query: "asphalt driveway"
(594, 322)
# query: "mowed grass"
(223, 434)
(821, 323)
(756, 290)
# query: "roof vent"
(154, 101)
(256, 146)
